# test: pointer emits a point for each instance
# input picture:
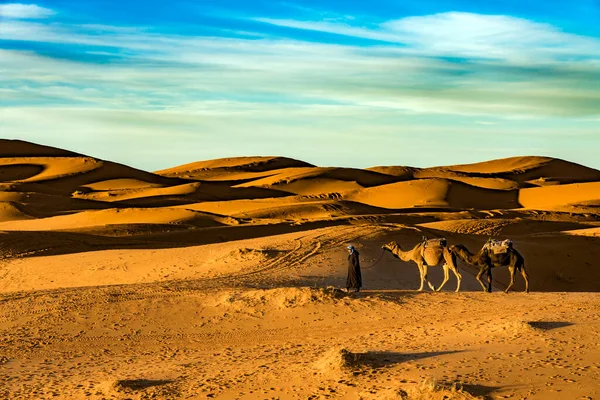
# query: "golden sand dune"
(51, 168)
(219, 168)
(11, 211)
(313, 180)
(591, 232)
(566, 197)
(523, 169)
(119, 216)
(62, 172)
(504, 165)
(288, 209)
(121, 184)
(504, 227)
(221, 279)
(435, 193)
(469, 179)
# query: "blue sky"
(347, 83)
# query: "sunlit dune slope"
(435, 193)
(565, 197)
(125, 216)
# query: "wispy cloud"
(463, 34)
(24, 11)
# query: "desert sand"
(222, 278)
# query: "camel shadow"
(548, 325)
(381, 359)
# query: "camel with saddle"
(494, 253)
(428, 253)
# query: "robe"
(354, 280)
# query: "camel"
(486, 259)
(425, 257)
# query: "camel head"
(457, 248)
(390, 246)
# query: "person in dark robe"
(354, 280)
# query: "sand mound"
(280, 298)
(140, 389)
(337, 361)
(434, 193)
(431, 389)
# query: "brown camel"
(486, 259)
(425, 256)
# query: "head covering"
(350, 247)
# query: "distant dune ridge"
(65, 194)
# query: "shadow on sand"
(484, 392)
(548, 325)
(141, 384)
(379, 359)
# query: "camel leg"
(489, 279)
(420, 276)
(511, 269)
(458, 276)
(526, 277)
(426, 277)
(481, 271)
(446, 277)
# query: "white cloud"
(24, 11)
(464, 35)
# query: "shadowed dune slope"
(19, 148)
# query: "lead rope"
(375, 263)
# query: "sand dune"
(20, 148)
(121, 216)
(524, 169)
(503, 227)
(11, 211)
(223, 166)
(435, 193)
(221, 279)
(584, 195)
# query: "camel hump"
(499, 246)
